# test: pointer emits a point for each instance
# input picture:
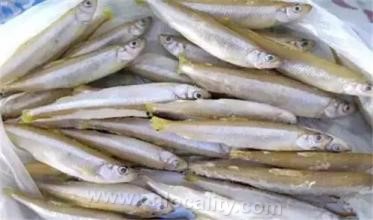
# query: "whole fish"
(190, 198)
(68, 156)
(178, 46)
(13, 105)
(57, 211)
(141, 129)
(118, 97)
(254, 14)
(43, 172)
(290, 41)
(242, 133)
(119, 35)
(221, 108)
(313, 70)
(129, 149)
(286, 181)
(267, 87)
(75, 71)
(124, 198)
(212, 36)
(287, 207)
(50, 43)
(309, 160)
(157, 68)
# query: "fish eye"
(368, 88)
(87, 3)
(318, 137)
(168, 39)
(304, 43)
(297, 8)
(122, 170)
(197, 95)
(346, 108)
(133, 43)
(270, 57)
(143, 21)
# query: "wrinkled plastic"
(321, 24)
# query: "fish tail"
(26, 117)
(159, 123)
(108, 13)
(182, 60)
(149, 107)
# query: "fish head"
(115, 173)
(172, 161)
(185, 91)
(131, 50)
(337, 145)
(302, 44)
(359, 89)
(86, 10)
(338, 108)
(139, 27)
(171, 44)
(292, 11)
(264, 60)
(313, 141)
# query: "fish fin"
(149, 107)
(159, 123)
(182, 60)
(26, 118)
(108, 13)
(140, 2)
(190, 177)
(9, 191)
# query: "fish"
(318, 161)
(13, 105)
(69, 156)
(243, 134)
(313, 70)
(141, 129)
(220, 108)
(287, 181)
(118, 97)
(123, 198)
(212, 36)
(75, 71)
(124, 33)
(253, 14)
(179, 46)
(48, 209)
(190, 198)
(157, 68)
(50, 43)
(129, 149)
(267, 87)
(40, 171)
(286, 206)
(292, 42)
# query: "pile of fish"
(213, 122)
